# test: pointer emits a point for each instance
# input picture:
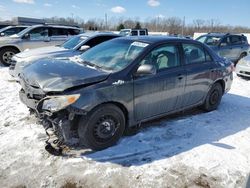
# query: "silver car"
(34, 37)
(243, 67)
(11, 30)
(74, 46)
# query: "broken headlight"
(56, 103)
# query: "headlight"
(56, 103)
(241, 62)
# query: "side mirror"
(26, 36)
(2, 34)
(84, 48)
(145, 70)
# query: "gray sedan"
(74, 46)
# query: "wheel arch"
(10, 46)
(222, 83)
(121, 106)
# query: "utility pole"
(106, 21)
(157, 23)
(183, 26)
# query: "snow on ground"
(191, 149)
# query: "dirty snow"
(191, 149)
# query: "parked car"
(133, 32)
(34, 37)
(73, 46)
(243, 67)
(121, 83)
(11, 30)
(231, 46)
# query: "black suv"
(231, 46)
(118, 84)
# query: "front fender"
(92, 97)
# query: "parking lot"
(190, 149)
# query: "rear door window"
(134, 33)
(73, 31)
(142, 32)
(195, 54)
(235, 40)
(58, 32)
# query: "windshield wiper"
(92, 64)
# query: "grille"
(245, 72)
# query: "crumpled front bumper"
(31, 103)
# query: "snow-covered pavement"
(191, 149)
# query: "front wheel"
(6, 55)
(213, 98)
(102, 128)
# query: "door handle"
(180, 76)
(212, 70)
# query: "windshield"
(24, 31)
(73, 42)
(113, 55)
(5, 28)
(210, 40)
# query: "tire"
(102, 128)
(6, 54)
(213, 98)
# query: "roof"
(92, 34)
(221, 34)
(155, 39)
(57, 26)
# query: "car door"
(199, 67)
(37, 37)
(225, 48)
(160, 93)
(58, 35)
(237, 46)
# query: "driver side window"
(225, 41)
(163, 57)
(38, 33)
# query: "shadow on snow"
(179, 133)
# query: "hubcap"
(214, 98)
(105, 128)
(7, 57)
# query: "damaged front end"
(54, 112)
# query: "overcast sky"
(226, 11)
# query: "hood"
(7, 39)
(54, 75)
(246, 59)
(44, 51)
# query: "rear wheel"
(102, 128)
(6, 55)
(213, 98)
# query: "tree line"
(172, 25)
